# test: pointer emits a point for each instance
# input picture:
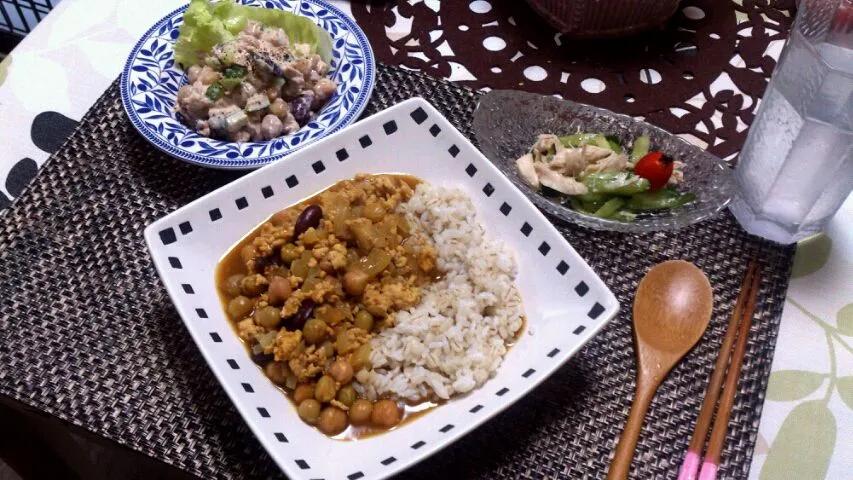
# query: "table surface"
(52, 78)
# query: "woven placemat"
(90, 336)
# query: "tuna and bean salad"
(373, 301)
(252, 73)
(257, 87)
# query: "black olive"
(309, 218)
(297, 320)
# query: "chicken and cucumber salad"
(599, 176)
(253, 73)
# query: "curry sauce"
(309, 287)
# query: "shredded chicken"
(560, 183)
(611, 163)
(526, 170)
(569, 161)
(548, 143)
(593, 153)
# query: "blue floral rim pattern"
(150, 81)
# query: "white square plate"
(564, 300)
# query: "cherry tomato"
(656, 168)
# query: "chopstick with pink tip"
(692, 458)
(718, 434)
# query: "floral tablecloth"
(52, 78)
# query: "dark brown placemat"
(88, 333)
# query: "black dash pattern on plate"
(595, 311)
(418, 115)
(167, 236)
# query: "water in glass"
(796, 168)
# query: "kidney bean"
(309, 218)
(297, 320)
(301, 109)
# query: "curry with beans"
(309, 288)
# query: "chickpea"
(232, 284)
(280, 217)
(355, 281)
(268, 317)
(254, 285)
(271, 127)
(239, 307)
(386, 413)
(279, 290)
(332, 421)
(277, 372)
(314, 331)
(208, 75)
(360, 411)
(326, 389)
(329, 348)
(302, 392)
(278, 108)
(272, 93)
(346, 395)
(341, 371)
(363, 320)
(309, 411)
(361, 357)
(247, 253)
(193, 73)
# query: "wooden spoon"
(672, 309)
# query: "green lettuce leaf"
(207, 24)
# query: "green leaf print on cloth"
(804, 444)
(808, 435)
(787, 385)
(844, 320)
(845, 391)
(811, 256)
(4, 68)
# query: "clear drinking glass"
(796, 167)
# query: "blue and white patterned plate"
(151, 79)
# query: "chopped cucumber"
(236, 120)
(640, 148)
(610, 207)
(230, 83)
(577, 139)
(614, 143)
(257, 102)
(659, 200)
(616, 183)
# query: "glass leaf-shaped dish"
(507, 122)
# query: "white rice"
(455, 339)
